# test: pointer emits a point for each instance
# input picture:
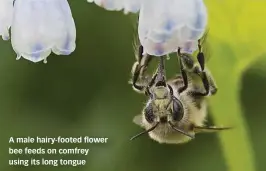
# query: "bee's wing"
(138, 120)
(209, 129)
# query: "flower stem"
(226, 108)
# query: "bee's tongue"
(160, 79)
(160, 83)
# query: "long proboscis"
(160, 78)
(144, 132)
(181, 131)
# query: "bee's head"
(168, 110)
(163, 107)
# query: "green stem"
(226, 109)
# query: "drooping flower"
(165, 26)
(6, 14)
(42, 26)
(117, 5)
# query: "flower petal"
(40, 26)
(132, 6)
(117, 5)
(113, 5)
(163, 27)
(6, 14)
(65, 43)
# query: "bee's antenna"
(144, 132)
(181, 131)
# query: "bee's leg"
(144, 61)
(207, 79)
(151, 83)
(159, 76)
(183, 73)
(139, 69)
(213, 86)
(208, 83)
(136, 71)
(188, 63)
(200, 57)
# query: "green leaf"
(232, 50)
(237, 34)
(226, 108)
(240, 23)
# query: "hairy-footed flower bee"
(176, 109)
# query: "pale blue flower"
(165, 25)
(42, 26)
(6, 14)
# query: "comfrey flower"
(117, 5)
(6, 14)
(42, 26)
(163, 27)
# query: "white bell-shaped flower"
(42, 26)
(6, 15)
(165, 26)
(117, 5)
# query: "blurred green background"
(87, 93)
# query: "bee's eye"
(149, 115)
(178, 110)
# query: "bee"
(176, 109)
